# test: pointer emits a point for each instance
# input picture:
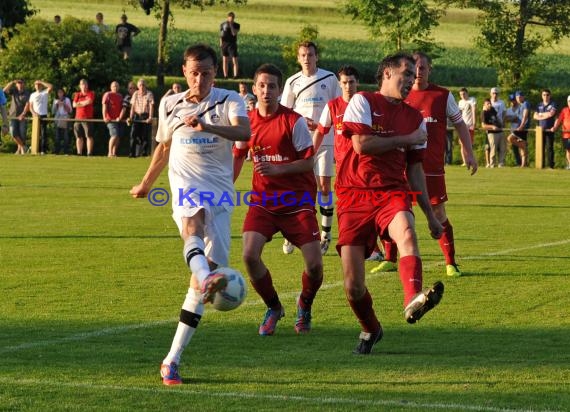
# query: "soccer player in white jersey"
(196, 131)
(307, 92)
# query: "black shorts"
(520, 134)
(566, 143)
(229, 49)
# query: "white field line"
(185, 391)
(120, 329)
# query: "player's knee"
(354, 289)
(315, 270)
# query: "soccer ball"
(234, 294)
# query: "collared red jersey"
(436, 104)
(372, 114)
(332, 117)
(281, 138)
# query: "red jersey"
(436, 104)
(371, 114)
(564, 118)
(281, 138)
(85, 112)
(332, 116)
(114, 103)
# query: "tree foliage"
(162, 12)
(401, 23)
(512, 32)
(62, 54)
(13, 12)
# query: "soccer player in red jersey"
(283, 197)
(436, 104)
(373, 184)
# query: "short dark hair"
(393, 61)
(231, 13)
(463, 89)
(200, 52)
(307, 44)
(270, 69)
(348, 70)
(421, 55)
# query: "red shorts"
(360, 226)
(299, 228)
(436, 189)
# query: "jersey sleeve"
(325, 121)
(357, 117)
(301, 138)
(163, 133)
(452, 111)
(287, 97)
(236, 106)
(416, 153)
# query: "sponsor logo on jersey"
(199, 140)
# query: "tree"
(62, 54)
(164, 15)
(512, 32)
(12, 12)
(402, 23)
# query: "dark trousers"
(548, 144)
(61, 140)
(43, 135)
(139, 144)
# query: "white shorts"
(217, 229)
(324, 161)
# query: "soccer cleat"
(385, 266)
(170, 374)
(287, 247)
(325, 242)
(452, 271)
(212, 284)
(375, 256)
(423, 302)
(303, 322)
(270, 320)
(367, 341)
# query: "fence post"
(35, 146)
(539, 149)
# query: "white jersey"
(308, 95)
(201, 163)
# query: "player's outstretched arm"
(158, 162)
(238, 131)
(371, 145)
(417, 181)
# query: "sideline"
(320, 401)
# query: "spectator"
(83, 102)
(99, 27)
(228, 42)
(61, 109)
(57, 19)
(468, 107)
(39, 101)
(124, 32)
(19, 107)
(3, 101)
(564, 121)
(126, 109)
(545, 113)
(491, 122)
(499, 142)
(243, 92)
(112, 104)
(142, 108)
(518, 136)
(174, 89)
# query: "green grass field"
(92, 282)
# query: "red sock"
(390, 250)
(410, 276)
(446, 242)
(365, 314)
(310, 289)
(264, 288)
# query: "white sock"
(195, 258)
(192, 310)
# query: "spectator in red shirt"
(83, 105)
